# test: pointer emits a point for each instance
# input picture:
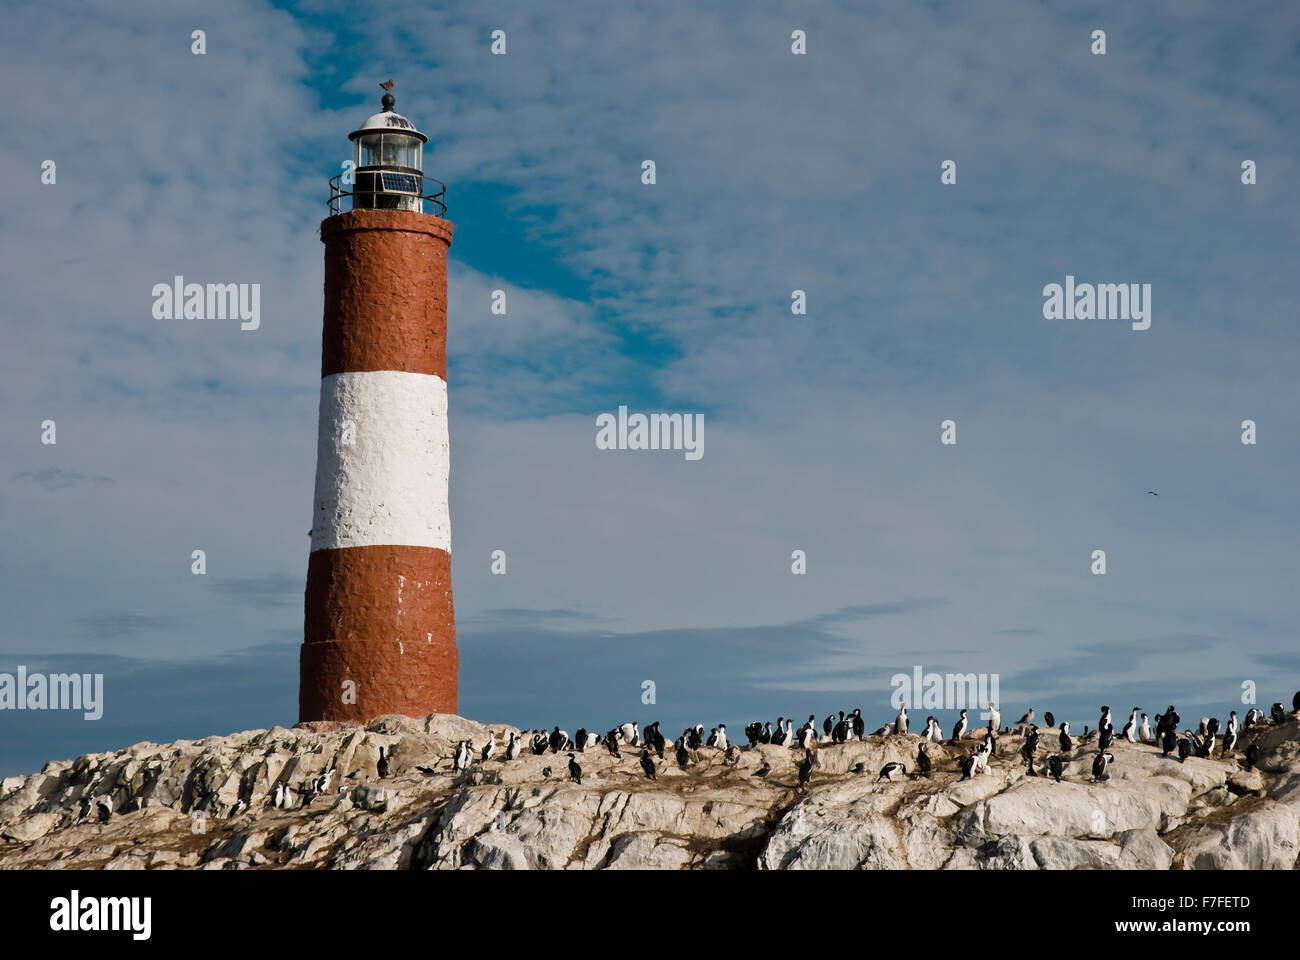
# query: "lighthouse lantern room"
(388, 159)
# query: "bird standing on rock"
(1230, 737)
(764, 770)
(1055, 767)
(923, 761)
(1252, 756)
(805, 769)
(1099, 773)
(683, 757)
(648, 765)
(575, 771)
(900, 722)
(959, 730)
(888, 770)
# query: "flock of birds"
(851, 726)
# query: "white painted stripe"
(389, 485)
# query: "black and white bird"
(932, 731)
(1105, 717)
(559, 740)
(969, 767)
(611, 743)
(766, 735)
(648, 765)
(900, 722)
(1129, 732)
(655, 739)
(515, 747)
(463, 757)
(1027, 719)
(1184, 748)
(732, 756)
(859, 726)
(923, 761)
(575, 771)
(1105, 737)
(807, 737)
(1230, 735)
(1144, 730)
(1277, 714)
(683, 755)
(721, 742)
(785, 736)
(840, 732)
(888, 770)
(279, 795)
(1168, 720)
(630, 734)
(1252, 756)
(1099, 765)
(538, 744)
(805, 769)
(322, 783)
(1168, 742)
(489, 749)
(828, 725)
(1055, 767)
(959, 730)
(1031, 745)
(995, 718)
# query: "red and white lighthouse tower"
(380, 633)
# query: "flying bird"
(1153, 493)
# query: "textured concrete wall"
(379, 630)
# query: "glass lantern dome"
(389, 155)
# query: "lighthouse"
(379, 630)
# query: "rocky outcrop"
(211, 804)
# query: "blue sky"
(775, 172)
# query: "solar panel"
(400, 182)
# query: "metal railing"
(432, 192)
